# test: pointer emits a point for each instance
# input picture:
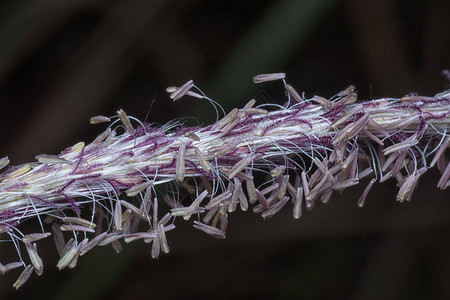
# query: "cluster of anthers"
(302, 152)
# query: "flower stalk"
(105, 192)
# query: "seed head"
(305, 151)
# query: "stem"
(307, 149)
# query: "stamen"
(12, 266)
(102, 136)
(23, 277)
(406, 144)
(441, 150)
(223, 222)
(99, 119)
(163, 240)
(363, 197)
(346, 116)
(283, 187)
(79, 221)
(251, 190)
(444, 178)
(33, 237)
(138, 188)
(110, 237)
(68, 257)
(4, 161)
(213, 231)
(210, 214)
(293, 93)
(58, 237)
(201, 160)
(268, 77)
(243, 202)
(350, 89)
(275, 208)
(126, 121)
(118, 216)
(346, 100)
(322, 101)
(270, 188)
(305, 183)
(181, 91)
(241, 165)
(139, 236)
(92, 243)
(192, 136)
(35, 259)
(297, 210)
(180, 162)
(195, 204)
(65, 227)
(406, 189)
(275, 172)
(254, 111)
(235, 196)
(219, 199)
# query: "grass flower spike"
(262, 158)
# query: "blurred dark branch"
(381, 45)
(90, 76)
(29, 26)
(436, 45)
(173, 53)
(387, 267)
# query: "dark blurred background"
(62, 62)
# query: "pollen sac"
(99, 119)
(23, 277)
(81, 228)
(347, 91)
(138, 188)
(181, 91)
(268, 77)
(192, 136)
(52, 159)
(241, 165)
(68, 257)
(33, 237)
(4, 161)
(322, 101)
(275, 172)
(211, 230)
(293, 93)
(180, 162)
(35, 259)
(20, 171)
(125, 121)
(79, 221)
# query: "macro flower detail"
(105, 192)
